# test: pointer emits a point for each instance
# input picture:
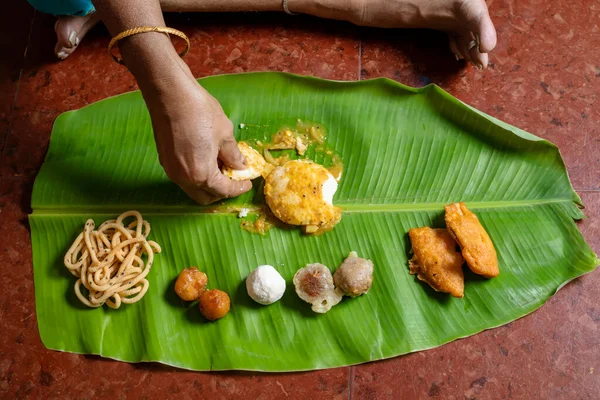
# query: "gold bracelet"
(145, 29)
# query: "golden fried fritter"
(436, 260)
(476, 245)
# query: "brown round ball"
(190, 284)
(214, 304)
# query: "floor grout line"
(350, 382)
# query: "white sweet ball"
(265, 285)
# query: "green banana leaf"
(406, 153)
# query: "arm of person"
(190, 128)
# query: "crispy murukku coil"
(108, 262)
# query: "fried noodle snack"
(108, 261)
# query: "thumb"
(224, 187)
(230, 154)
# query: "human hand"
(192, 133)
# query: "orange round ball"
(214, 304)
(190, 284)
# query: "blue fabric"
(63, 7)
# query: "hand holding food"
(192, 133)
(255, 165)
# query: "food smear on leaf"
(265, 285)
(314, 284)
(109, 261)
(299, 138)
(354, 276)
(190, 284)
(260, 223)
(214, 304)
(256, 165)
(336, 168)
(301, 192)
(318, 194)
(436, 260)
(475, 243)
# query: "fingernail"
(62, 55)
(456, 55)
(73, 39)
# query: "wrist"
(153, 61)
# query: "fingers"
(201, 196)
(224, 187)
(214, 188)
(230, 154)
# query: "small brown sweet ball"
(214, 304)
(190, 284)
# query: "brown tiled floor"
(544, 78)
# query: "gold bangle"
(145, 29)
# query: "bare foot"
(467, 22)
(472, 36)
(70, 31)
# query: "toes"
(465, 47)
(454, 48)
(479, 35)
(479, 22)
(469, 46)
(63, 52)
(486, 32)
(70, 31)
(479, 59)
(66, 32)
(475, 55)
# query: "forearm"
(321, 8)
(151, 57)
(221, 5)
